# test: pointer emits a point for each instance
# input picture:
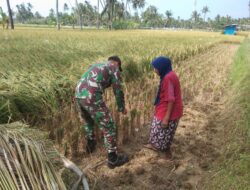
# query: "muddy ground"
(197, 141)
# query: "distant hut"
(230, 29)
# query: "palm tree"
(29, 6)
(195, 16)
(249, 9)
(205, 10)
(109, 9)
(79, 14)
(10, 15)
(138, 4)
(98, 16)
(169, 15)
(127, 5)
(65, 7)
(57, 16)
(114, 6)
(4, 19)
(119, 10)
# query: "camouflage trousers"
(98, 114)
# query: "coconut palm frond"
(6, 181)
(23, 161)
(104, 10)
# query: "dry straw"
(23, 163)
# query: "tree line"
(115, 14)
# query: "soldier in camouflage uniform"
(93, 109)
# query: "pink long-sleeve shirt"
(170, 92)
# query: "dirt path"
(197, 140)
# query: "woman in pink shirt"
(168, 107)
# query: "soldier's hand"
(73, 100)
(124, 111)
(80, 117)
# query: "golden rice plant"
(39, 70)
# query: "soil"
(197, 141)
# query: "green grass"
(234, 169)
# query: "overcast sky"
(182, 8)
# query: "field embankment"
(231, 169)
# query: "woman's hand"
(164, 122)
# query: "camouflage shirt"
(96, 79)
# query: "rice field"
(40, 68)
